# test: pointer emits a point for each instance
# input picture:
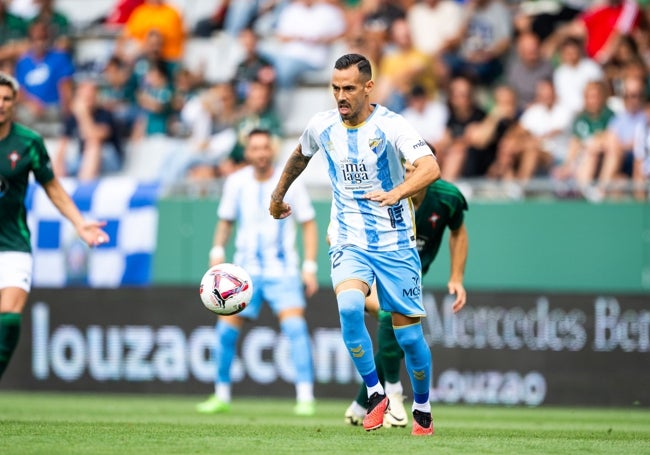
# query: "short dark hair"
(362, 63)
(256, 131)
(9, 81)
(572, 41)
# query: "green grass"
(41, 423)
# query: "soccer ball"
(226, 289)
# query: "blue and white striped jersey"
(263, 245)
(365, 158)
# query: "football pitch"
(66, 423)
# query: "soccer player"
(266, 250)
(22, 151)
(439, 206)
(371, 228)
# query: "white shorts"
(16, 270)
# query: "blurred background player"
(22, 151)
(371, 226)
(441, 205)
(266, 250)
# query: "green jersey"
(22, 151)
(586, 125)
(442, 207)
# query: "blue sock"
(295, 329)
(418, 359)
(355, 334)
(224, 351)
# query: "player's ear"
(369, 86)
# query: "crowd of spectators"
(503, 90)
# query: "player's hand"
(311, 283)
(385, 198)
(279, 209)
(456, 288)
(91, 232)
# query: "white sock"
(305, 391)
(422, 407)
(358, 409)
(223, 392)
(393, 388)
(376, 388)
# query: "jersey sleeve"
(409, 142)
(457, 211)
(40, 161)
(228, 203)
(309, 139)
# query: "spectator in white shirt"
(306, 30)
(573, 74)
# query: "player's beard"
(349, 115)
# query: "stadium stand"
(215, 59)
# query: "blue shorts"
(398, 275)
(281, 293)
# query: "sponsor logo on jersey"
(414, 291)
(419, 144)
(396, 215)
(354, 173)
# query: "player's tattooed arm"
(296, 163)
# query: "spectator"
(377, 17)
(257, 113)
(434, 24)
(241, 14)
(253, 67)
(184, 88)
(402, 67)
(58, 23)
(573, 74)
(95, 131)
(155, 15)
(463, 111)
(625, 54)
(206, 26)
(622, 128)
(641, 167)
(154, 99)
(527, 69)
(151, 53)
(306, 29)
(427, 116)
(588, 144)
(117, 93)
(211, 117)
(13, 35)
(543, 18)
(45, 75)
(486, 136)
(546, 125)
(601, 26)
(483, 42)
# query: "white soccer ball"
(226, 289)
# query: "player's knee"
(409, 337)
(351, 305)
(294, 327)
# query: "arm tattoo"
(296, 163)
